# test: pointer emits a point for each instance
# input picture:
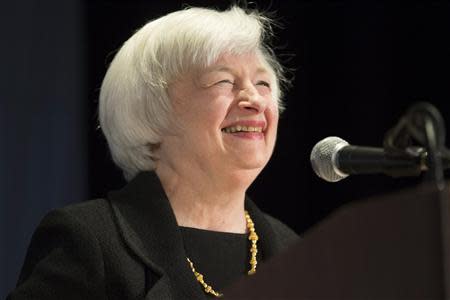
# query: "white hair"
(134, 107)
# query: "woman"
(190, 108)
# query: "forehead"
(252, 63)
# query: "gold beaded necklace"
(253, 237)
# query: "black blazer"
(127, 246)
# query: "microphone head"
(323, 158)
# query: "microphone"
(333, 159)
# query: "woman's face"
(225, 116)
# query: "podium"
(389, 247)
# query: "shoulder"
(92, 215)
(281, 230)
(64, 255)
(80, 221)
(79, 230)
(90, 218)
(87, 210)
(279, 235)
(89, 222)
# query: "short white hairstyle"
(134, 107)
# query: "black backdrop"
(358, 66)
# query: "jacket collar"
(149, 227)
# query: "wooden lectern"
(389, 247)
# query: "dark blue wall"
(43, 103)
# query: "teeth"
(239, 128)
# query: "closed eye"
(226, 81)
(263, 83)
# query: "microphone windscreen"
(323, 158)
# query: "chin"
(252, 165)
(245, 177)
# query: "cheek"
(205, 115)
(272, 117)
(213, 109)
(273, 114)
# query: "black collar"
(148, 225)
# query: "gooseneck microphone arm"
(371, 160)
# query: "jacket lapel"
(148, 225)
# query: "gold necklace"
(253, 237)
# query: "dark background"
(358, 66)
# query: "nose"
(250, 99)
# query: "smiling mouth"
(238, 128)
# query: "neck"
(202, 200)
